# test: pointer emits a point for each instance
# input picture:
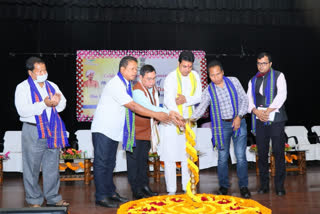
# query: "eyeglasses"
(262, 63)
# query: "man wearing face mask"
(38, 102)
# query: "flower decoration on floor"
(70, 153)
(192, 202)
(5, 156)
(180, 204)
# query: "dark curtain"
(252, 12)
(232, 31)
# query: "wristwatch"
(240, 116)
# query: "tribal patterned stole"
(268, 92)
(54, 130)
(129, 140)
(215, 113)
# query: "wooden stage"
(303, 191)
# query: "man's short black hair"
(215, 63)
(263, 54)
(31, 61)
(125, 60)
(186, 56)
(146, 69)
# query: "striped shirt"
(224, 101)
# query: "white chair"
(208, 156)
(301, 134)
(316, 129)
(84, 138)
(12, 144)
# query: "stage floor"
(303, 191)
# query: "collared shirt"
(279, 99)
(28, 110)
(140, 98)
(224, 100)
(109, 117)
(170, 92)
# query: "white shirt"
(26, 109)
(279, 99)
(172, 145)
(109, 116)
(170, 92)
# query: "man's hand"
(236, 123)
(47, 101)
(176, 118)
(263, 117)
(161, 116)
(180, 99)
(56, 99)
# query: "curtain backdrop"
(251, 12)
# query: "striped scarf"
(215, 113)
(179, 91)
(129, 140)
(54, 130)
(268, 92)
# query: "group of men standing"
(131, 114)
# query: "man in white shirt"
(113, 122)
(267, 92)
(182, 91)
(38, 102)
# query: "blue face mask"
(42, 78)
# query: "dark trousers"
(137, 165)
(275, 132)
(105, 150)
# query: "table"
(86, 177)
(299, 167)
(301, 161)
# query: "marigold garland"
(72, 166)
(289, 158)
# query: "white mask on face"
(42, 78)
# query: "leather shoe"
(137, 195)
(117, 197)
(222, 191)
(107, 203)
(263, 190)
(281, 193)
(148, 192)
(245, 193)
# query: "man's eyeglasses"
(262, 63)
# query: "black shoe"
(117, 197)
(245, 193)
(281, 192)
(137, 195)
(263, 190)
(107, 203)
(148, 192)
(222, 191)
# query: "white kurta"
(172, 145)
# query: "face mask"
(42, 78)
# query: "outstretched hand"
(176, 118)
(162, 117)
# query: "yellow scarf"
(179, 91)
